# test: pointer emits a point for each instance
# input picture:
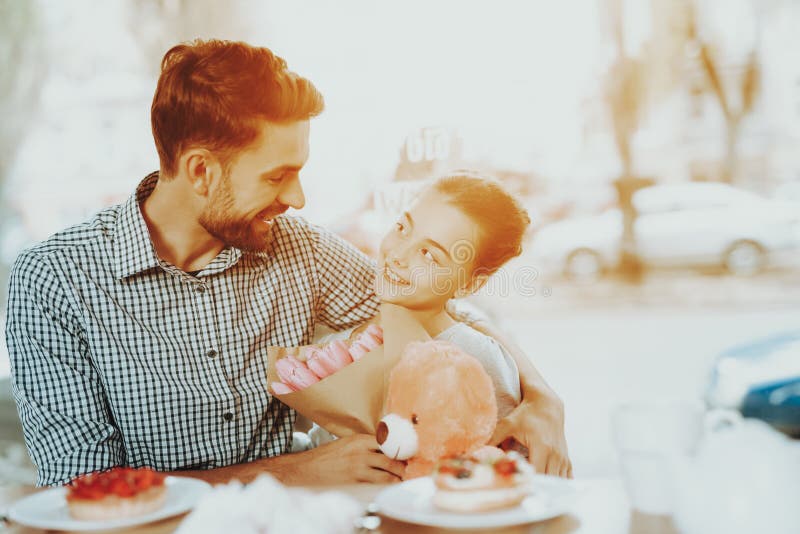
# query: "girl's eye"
(427, 254)
(399, 227)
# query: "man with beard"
(139, 337)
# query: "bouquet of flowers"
(342, 385)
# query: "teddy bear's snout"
(383, 431)
(397, 437)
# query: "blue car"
(778, 404)
(762, 380)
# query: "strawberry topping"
(505, 467)
(119, 481)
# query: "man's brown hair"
(213, 94)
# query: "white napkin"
(266, 506)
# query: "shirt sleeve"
(60, 397)
(503, 371)
(507, 382)
(499, 365)
(346, 282)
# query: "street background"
(575, 105)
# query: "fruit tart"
(489, 479)
(119, 493)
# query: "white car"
(677, 225)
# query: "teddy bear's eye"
(414, 418)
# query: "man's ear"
(475, 283)
(201, 170)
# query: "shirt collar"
(134, 251)
(225, 259)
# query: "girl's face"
(427, 257)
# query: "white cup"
(651, 437)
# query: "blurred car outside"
(761, 380)
(678, 225)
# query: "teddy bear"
(440, 402)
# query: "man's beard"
(217, 221)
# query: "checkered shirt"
(119, 358)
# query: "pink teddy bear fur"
(447, 396)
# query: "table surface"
(602, 508)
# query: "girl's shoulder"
(473, 342)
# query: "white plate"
(48, 509)
(411, 502)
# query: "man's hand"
(343, 461)
(348, 460)
(538, 426)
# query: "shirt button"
(211, 353)
(228, 416)
(199, 288)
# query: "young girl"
(459, 232)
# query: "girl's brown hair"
(499, 215)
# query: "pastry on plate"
(489, 479)
(119, 493)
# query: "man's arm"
(345, 281)
(538, 421)
(350, 459)
(65, 416)
(59, 395)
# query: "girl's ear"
(478, 280)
